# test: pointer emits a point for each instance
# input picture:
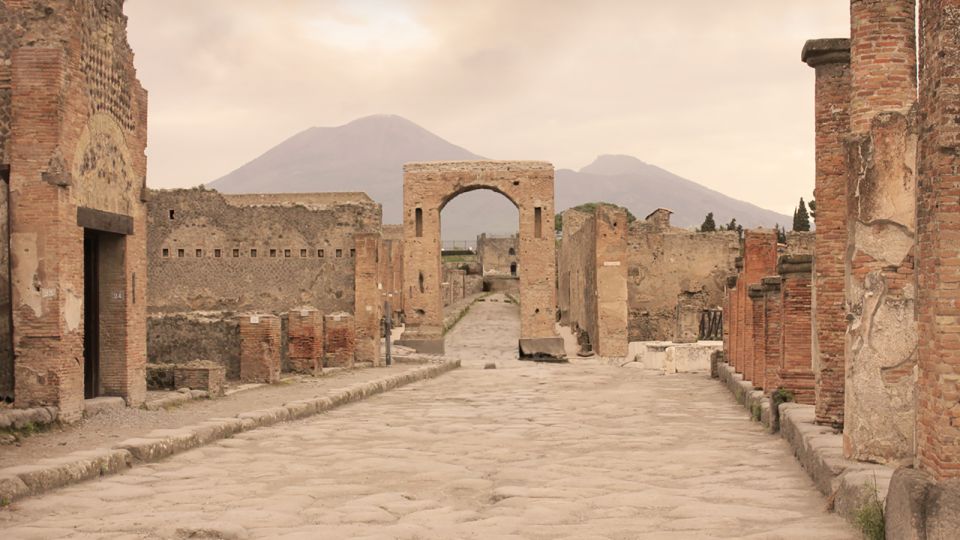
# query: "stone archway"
(427, 188)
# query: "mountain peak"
(615, 165)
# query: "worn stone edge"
(23, 481)
(848, 484)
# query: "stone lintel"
(819, 52)
(755, 291)
(732, 281)
(771, 283)
(795, 264)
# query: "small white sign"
(304, 313)
(369, 309)
(48, 293)
(611, 263)
(254, 319)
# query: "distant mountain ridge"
(368, 155)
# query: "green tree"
(781, 233)
(812, 205)
(801, 218)
(732, 226)
(708, 224)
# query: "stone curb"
(177, 398)
(48, 474)
(849, 484)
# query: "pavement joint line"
(23, 481)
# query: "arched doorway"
(427, 188)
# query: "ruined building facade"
(214, 257)
(73, 132)
(653, 273)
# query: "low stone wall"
(670, 357)
(186, 337)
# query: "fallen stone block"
(95, 406)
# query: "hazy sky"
(713, 91)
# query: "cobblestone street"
(527, 450)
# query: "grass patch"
(870, 519)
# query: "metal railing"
(711, 325)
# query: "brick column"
(259, 348)
(938, 223)
(772, 331)
(737, 360)
(758, 330)
(759, 261)
(880, 287)
(305, 340)
(367, 307)
(796, 370)
(339, 340)
(831, 59)
(729, 331)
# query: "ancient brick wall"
(578, 273)
(938, 389)
(796, 367)
(305, 340)
(831, 60)
(209, 251)
(368, 309)
(259, 348)
(498, 255)
(880, 290)
(662, 262)
(339, 338)
(391, 268)
(73, 132)
(6, 325)
(759, 261)
(180, 338)
(427, 189)
(207, 376)
(772, 332)
(758, 329)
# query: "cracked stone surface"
(581, 450)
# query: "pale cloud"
(713, 91)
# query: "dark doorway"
(513, 269)
(91, 314)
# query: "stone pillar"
(759, 261)
(728, 326)
(339, 340)
(831, 59)
(879, 409)
(758, 330)
(259, 348)
(610, 258)
(737, 359)
(938, 223)
(367, 307)
(796, 370)
(305, 340)
(773, 332)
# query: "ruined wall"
(578, 276)
(73, 132)
(181, 338)
(593, 276)
(938, 389)
(498, 255)
(391, 269)
(209, 251)
(881, 285)
(368, 310)
(662, 262)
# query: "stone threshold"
(849, 485)
(23, 481)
